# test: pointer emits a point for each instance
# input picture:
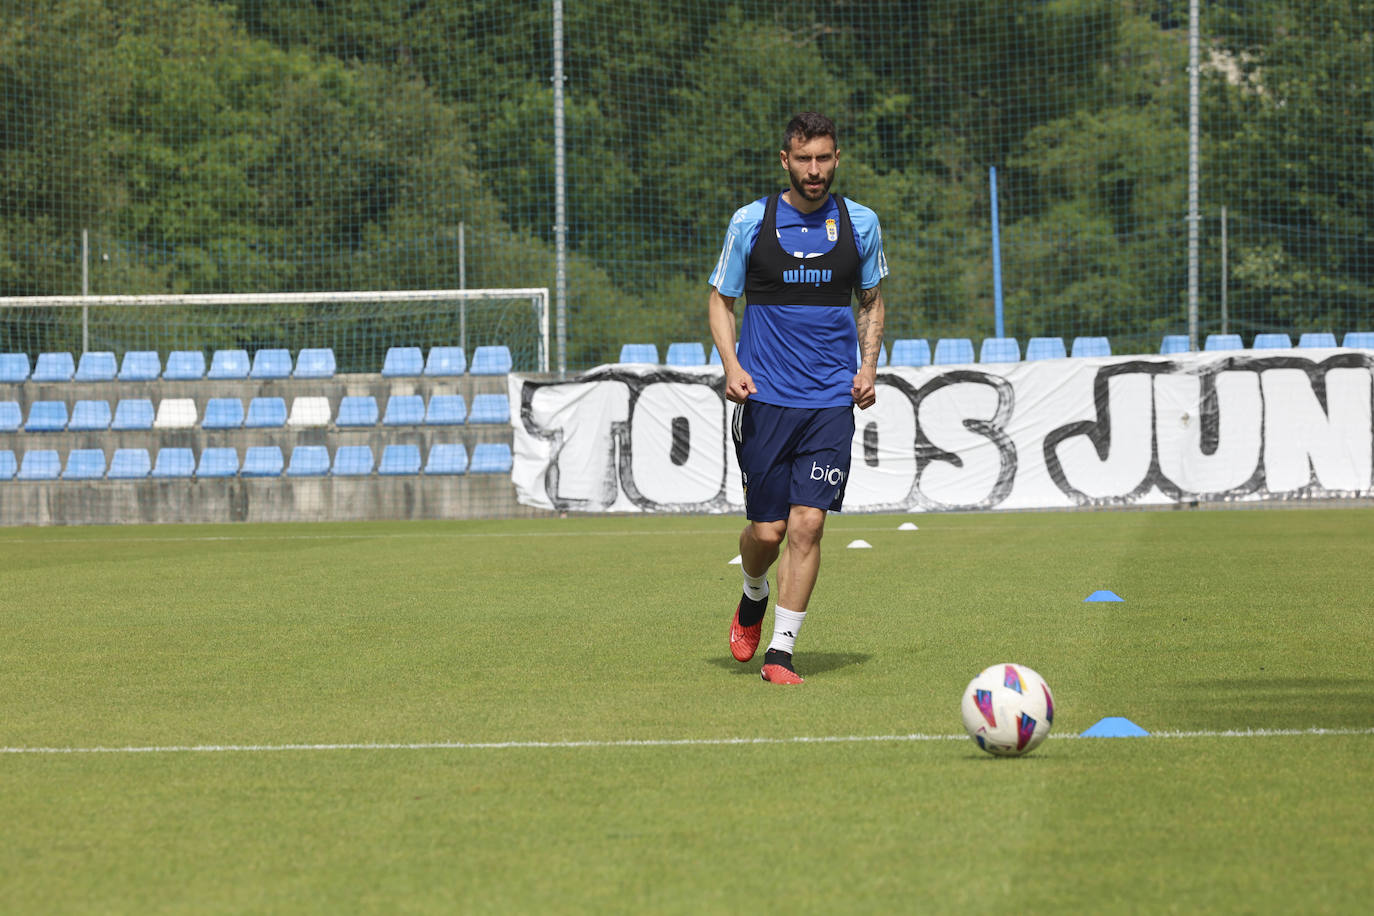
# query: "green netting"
(292, 145)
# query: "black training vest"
(775, 277)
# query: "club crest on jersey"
(806, 275)
(831, 233)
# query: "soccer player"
(796, 256)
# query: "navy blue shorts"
(792, 456)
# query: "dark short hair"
(808, 126)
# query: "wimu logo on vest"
(806, 275)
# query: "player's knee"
(768, 534)
(806, 526)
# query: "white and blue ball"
(1008, 710)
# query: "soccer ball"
(1008, 710)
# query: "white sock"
(786, 625)
(755, 587)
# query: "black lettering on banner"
(994, 430)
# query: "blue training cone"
(1115, 727)
(1104, 594)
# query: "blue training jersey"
(799, 355)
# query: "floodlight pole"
(560, 195)
(1194, 218)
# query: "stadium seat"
(398, 459)
(714, 358)
(447, 458)
(14, 368)
(403, 361)
(227, 364)
(687, 353)
(953, 351)
(175, 413)
(999, 350)
(174, 462)
(266, 413)
(84, 464)
(10, 416)
(140, 366)
(315, 362)
(218, 461)
(352, 461)
(309, 412)
(491, 360)
(40, 464)
(97, 366)
(130, 464)
(53, 367)
(446, 410)
(446, 361)
(404, 410)
(46, 417)
(308, 461)
(90, 415)
(489, 408)
(1363, 340)
(1045, 348)
(490, 458)
(1090, 346)
(133, 413)
(184, 366)
(1271, 342)
(8, 465)
(223, 413)
(639, 353)
(357, 410)
(1317, 339)
(909, 351)
(271, 363)
(1215, 342)
(262, 461)
(1173, 343)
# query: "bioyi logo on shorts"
(830, 475)
(806, 275)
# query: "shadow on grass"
(1283, 702)
(808, 664)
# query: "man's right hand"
(739, 384)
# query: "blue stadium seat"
(1363, 340)
(446, 361)
(97, 366)
(1216, 342)
(999, 350)
(489, 408)
(217, 461)
(357, 410)
(1045, 348)
(909, 351)
(352, 461)
(315, 362)
(40, 464)
(8, 465)
(53, 367)
(226, 364)
(447, 458)
(266, 413)
(639, 353)
(140, 366)
(1317, 339)
(953, 351)
(90, 415)
(1271, 342)
(133, 413)
(491, 360)
(490, 458)
(404, 410)
(687, 353)
(271, 363)
(84, 464)
(1090, 346)
(262, 461)
(130, 464)
(714, 358)
(223, 413)
(174, 462)
(10, 416)
(14, 367)
(446, 410)
(1173, 343)
(308, 461)
(398, 459)
(403, 361)
(46, 417)
(184, 366)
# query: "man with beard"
(796, 256)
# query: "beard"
(802, 191)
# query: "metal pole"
(1194, 71)
(996, 254)
(1225, 272)
(560, 192)
(462, 284)
(85, 288)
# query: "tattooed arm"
(870, 325)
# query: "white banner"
(1132, 430)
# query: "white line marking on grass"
(635, 743)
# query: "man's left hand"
(865, 390)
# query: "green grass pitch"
(542, 716)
